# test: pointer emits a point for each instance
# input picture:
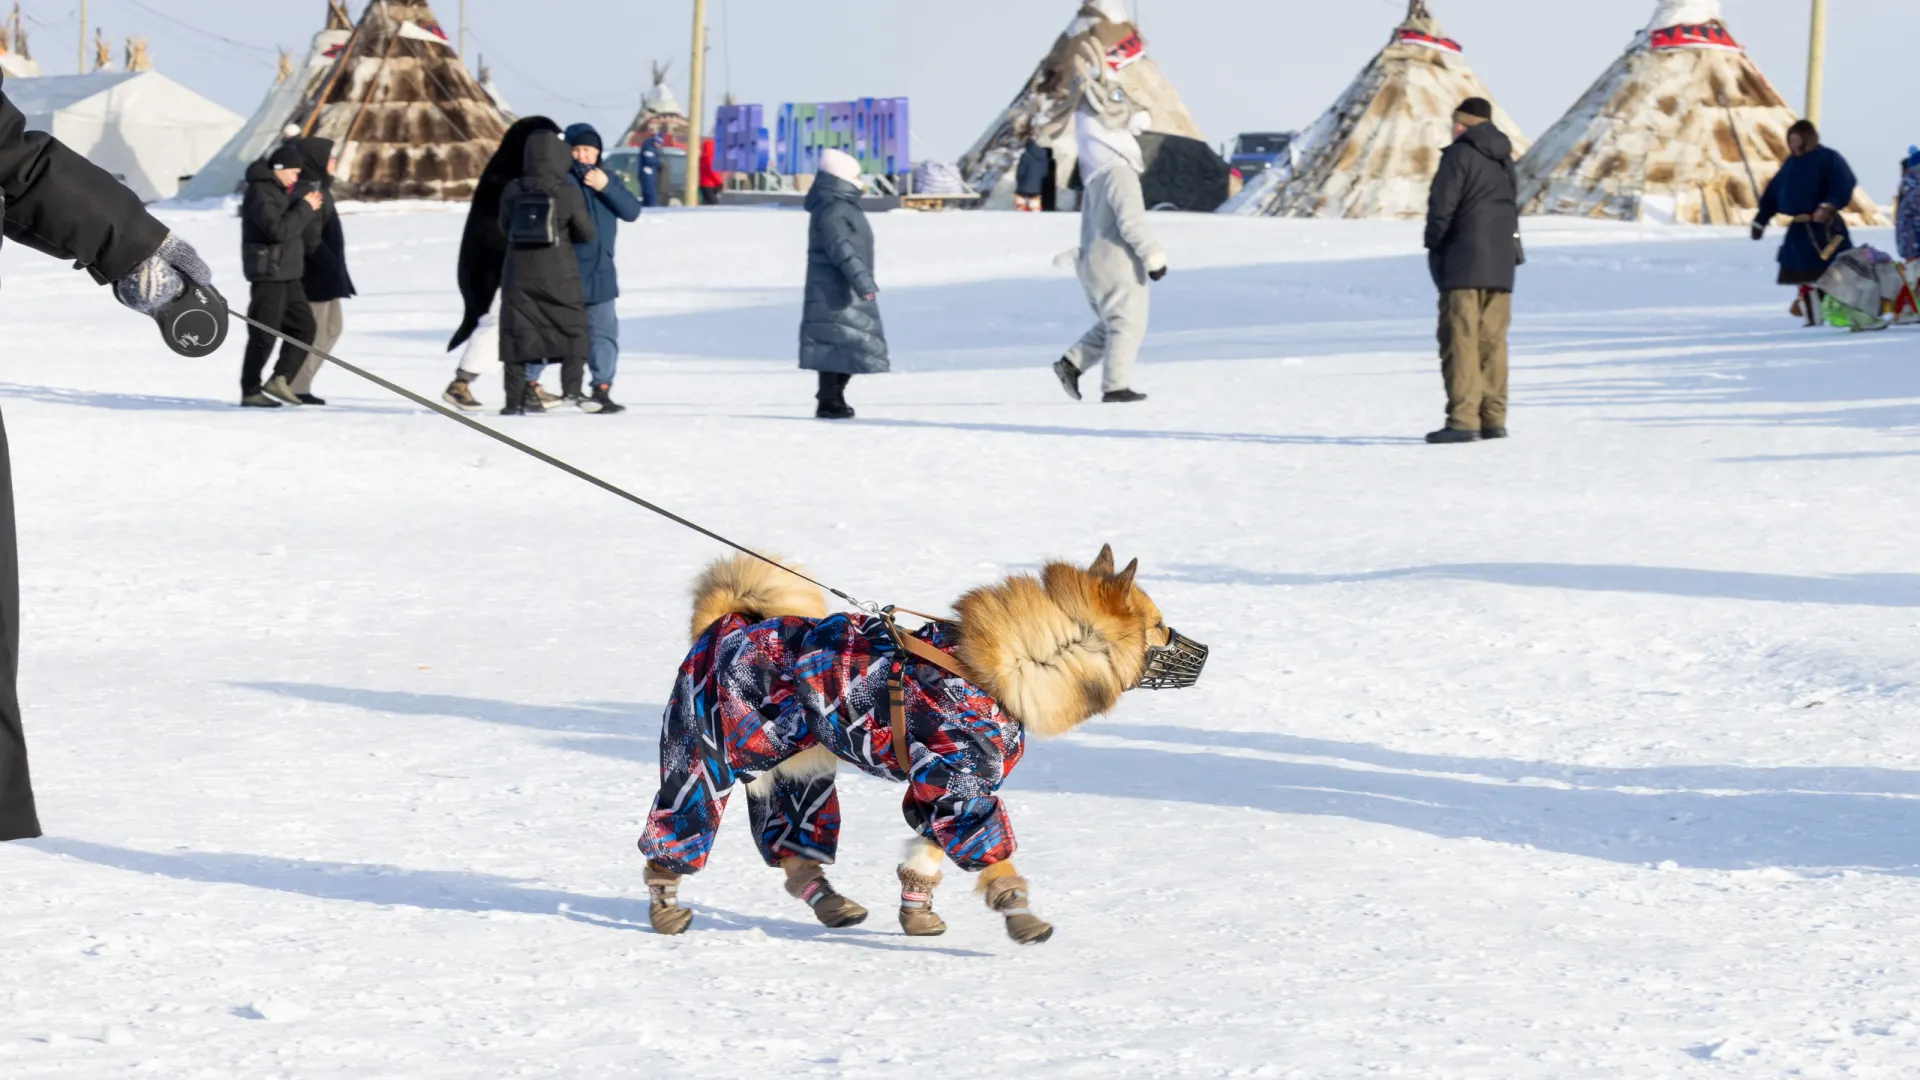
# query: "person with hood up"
(711, 182)
(327, 281)
(1118, 255)
(609, 203)
(1906, 215)
(1473, 250)
(841, 334)
(542, 316)
(483, 258)
(274, 215)
(1813, 185)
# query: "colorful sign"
(874, 130)
(740, 140)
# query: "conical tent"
(1374, 154)
(407, 119)
(659, 114)
(223, 175)
(16, 58)
(1044, 107)
(1682, 127)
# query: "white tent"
(265, 129)
(147, 130)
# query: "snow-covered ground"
(1588, 754)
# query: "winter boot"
(547, 398)
(1069, 377)
(665, 912)
(535, 399)
(603, 402)
(1122, 397)
(1007, 895)
(460, 395)
(277, 387)
(1452, 435)
(258, 400)
(578, 400)
(916, 904)
(312, 399)
(1492, 431)
(806, 883)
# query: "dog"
(778, 693)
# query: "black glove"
(163, 277)
(1156, 275)
(1759, 231)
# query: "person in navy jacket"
(1812, 187)
(610, 203)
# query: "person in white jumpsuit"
(1118, 255)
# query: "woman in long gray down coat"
(543, 317)
(840, 330)
(1118, 254)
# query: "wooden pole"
(463, 31)
(1816, 59)
(83, 37)
(690, 191)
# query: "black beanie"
(287, 156)
(1479, 107)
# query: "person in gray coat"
(1118, 255)
(840, 330)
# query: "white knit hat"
(841, 164)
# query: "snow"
(1586, 754)
(1684, 13)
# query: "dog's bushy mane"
(1055, 650)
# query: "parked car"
(624, 162)
(1256, 152)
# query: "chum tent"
(1683, 127)
(147, 130)
(267, 127)
(407, 119)
(1044, 107)
(1375, 152)
(659, 114)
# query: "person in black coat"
(327, 281)
(1473, 248)
(840, 330)
(1813, 185)
(543, 317)
(1030, 177)
(483, 257)
(274, 215)
(60, 204)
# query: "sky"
(1241, 65)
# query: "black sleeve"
(279, 218)
(1444, 201)
(580, 220)
(63, 205)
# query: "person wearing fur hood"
(1907, 207)
(1118, 254)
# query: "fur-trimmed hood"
(1057, 650)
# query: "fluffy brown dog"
(775, 688)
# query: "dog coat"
(752, 695)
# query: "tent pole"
(463, 31)
(690, 190)
(1816, 59)
(83, 37)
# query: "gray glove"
(163, 277)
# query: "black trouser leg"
(298, 324)
(268, 307)
(573, 377)
(18, 821)
(516, 381)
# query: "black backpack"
(531, 223)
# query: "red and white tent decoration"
(1683, 127)
(1373, 155)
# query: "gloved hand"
(1156, 275)
(163, 277)
(1759, 231)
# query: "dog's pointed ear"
(1103, 563)
(1125, 580)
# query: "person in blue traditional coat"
(1907, 215)
(1812, 187)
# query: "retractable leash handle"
(195, 325)
(220, 315)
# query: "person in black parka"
(327, 282)
(275, 212)
(62, 205)
(1473, 250)
(1030, 177)
(840, 330)
(483, 257)
(543, 316)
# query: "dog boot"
(666, 914)
(916, 904)
(1008, 896)
(808, 884)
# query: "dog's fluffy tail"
(745, 586)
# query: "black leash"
(543, 456)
